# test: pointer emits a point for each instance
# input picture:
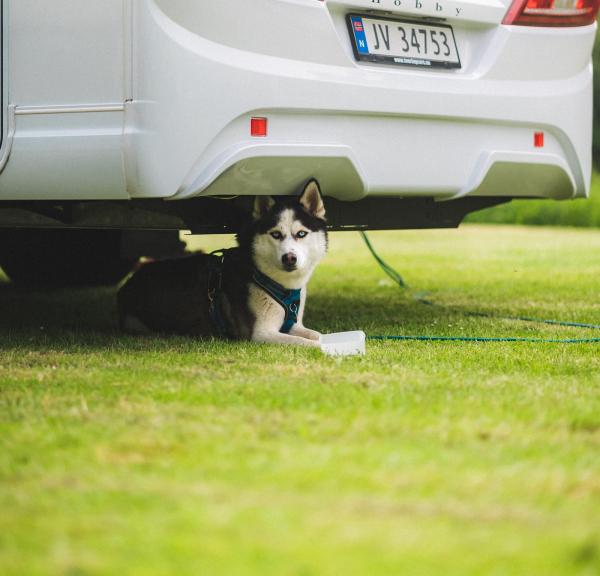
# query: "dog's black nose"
(289, 260)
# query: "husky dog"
(256, 291)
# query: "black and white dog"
(256, 291)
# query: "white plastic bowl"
(343, 343)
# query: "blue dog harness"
(288, 299)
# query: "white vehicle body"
(153, 99)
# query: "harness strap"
(215, 280)
(288, 299)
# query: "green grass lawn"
(122, 455)
(581, 212)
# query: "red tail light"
(552, 12)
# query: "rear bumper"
(362, 129)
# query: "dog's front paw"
(305, 333)
(313, 334)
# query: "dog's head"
(289, 236)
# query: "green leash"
(384, 265)
(483, 339)
(393, 274)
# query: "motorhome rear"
(131, 115)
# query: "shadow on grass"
(83, 317)
(73, 309)
(87, 317)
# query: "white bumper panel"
(62, 154)
(405, 157)
(360, 128)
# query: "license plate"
(403, 43)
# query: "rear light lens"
(552, 12)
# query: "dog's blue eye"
(301, 234)
(276, 235)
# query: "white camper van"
(125, 120)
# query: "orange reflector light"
(258, 127)
(538, 139)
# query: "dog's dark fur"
(173, 295)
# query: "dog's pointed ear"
(312, 201)
(262, 204)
